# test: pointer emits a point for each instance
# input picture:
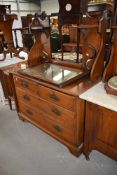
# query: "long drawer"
(56, 97)
(25, 84)
(41, 120)
(56, 113)
(51, 95)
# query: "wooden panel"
(42, 121)
(25, 84)
(106, 120)
(73, 34)
(100, 130)
(56, 113)
(58, 98)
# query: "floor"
(26, 150)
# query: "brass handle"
(26, 97)
(54, 97)
(29, 111)
(56, 111)
(25, 84)
(57, 128)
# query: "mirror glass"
(65, 47)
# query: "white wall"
(50, 6)
(13, 4)
(25, 6)
(28, 8)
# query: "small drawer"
(31, 114)
(43, 121)
(59, 130)
(56, 113)
(56, 97)
(25, 84)
(26, 98)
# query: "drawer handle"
(24, 84)
(29, 111)
(26, 97)
(53, 97)
(57, 128)
(56, 111)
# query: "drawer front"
(56, 113)
(56, 97)
(43, 121)
(31, 114)
(25, 84)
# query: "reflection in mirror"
(67, 49)
(100, 1)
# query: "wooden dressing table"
(57, 111)
(47, 98)
(40, 100)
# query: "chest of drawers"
(59, 114)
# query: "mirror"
(65, 47)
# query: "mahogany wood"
(100, 130)
(6, 22)
(111, 68)
(98, 66)
(41, 50)
(110, 90)
(6, 82)
(49, 107)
